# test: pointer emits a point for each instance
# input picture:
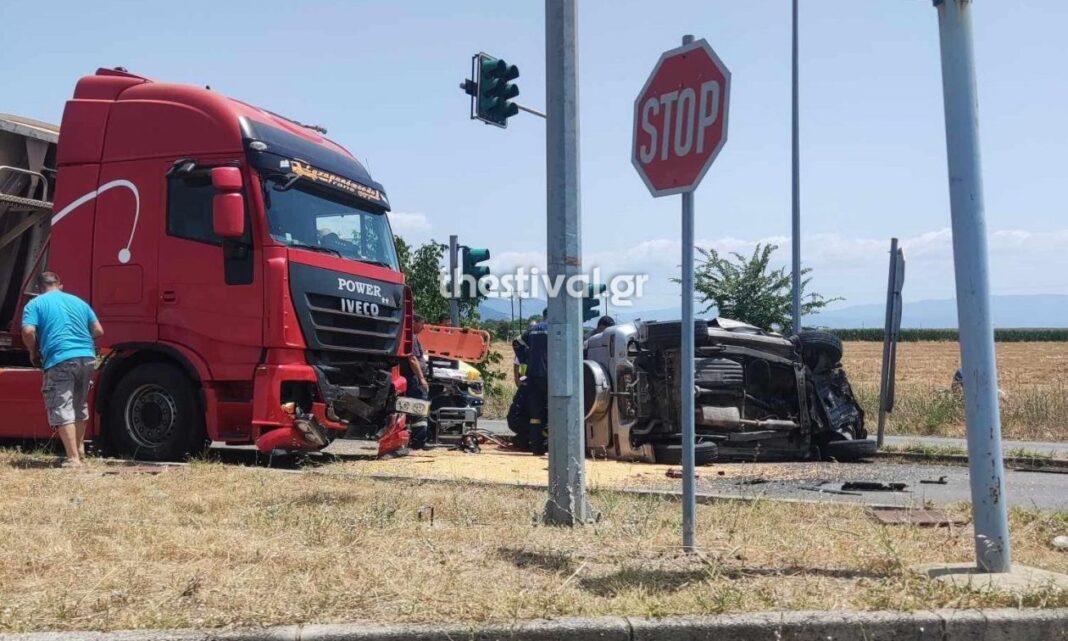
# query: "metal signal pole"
(454, 275)
(986, 470)
(796, 190)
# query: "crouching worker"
(58, 329)
(414, 371)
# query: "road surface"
(823, 481)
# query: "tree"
(743, 288)
(422, 267)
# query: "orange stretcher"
(459, 343)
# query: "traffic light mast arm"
(530, 110)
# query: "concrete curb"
(937, 625)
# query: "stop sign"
(680, 118)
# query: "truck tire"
(820, 350)
(153, 415)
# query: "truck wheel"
(154, 416)
(820, 350)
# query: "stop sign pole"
(680, 124)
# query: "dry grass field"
(221, 545)
(1034, 377)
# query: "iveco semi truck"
(241, 263)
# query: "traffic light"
(472, 256)
(495, 90)
(591, 301)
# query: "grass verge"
(213, 545)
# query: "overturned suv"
(758, 396)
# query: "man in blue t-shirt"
(58, 329)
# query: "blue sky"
(383, 76)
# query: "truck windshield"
(321, 220)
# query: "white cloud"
(405, 223)
(508, 262)
(849, 266)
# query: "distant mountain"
(504, 308)
(1038, 310)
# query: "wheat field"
(1032, 376)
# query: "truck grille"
(345, 313)
(336, 329)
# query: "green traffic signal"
(591, 301)
(472, 256)
(495, 90)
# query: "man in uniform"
(415, 373)
(535, 342)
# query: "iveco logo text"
(350, 306)
(359, 287)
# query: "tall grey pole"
(985, 467)
(796, 191)
(454, 274)
(567, 504)
(689, 494)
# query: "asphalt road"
(823, 481)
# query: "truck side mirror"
(228, 215)
(228, 205)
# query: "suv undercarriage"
(758, 396)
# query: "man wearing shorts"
(58, 330)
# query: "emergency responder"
(536, 343)
(604, 323)
(519, 364)
(414, 371)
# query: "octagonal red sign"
(680, 118)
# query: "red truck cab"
(242, 266)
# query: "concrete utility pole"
(796, 191)
(985, 467)
(567, 504)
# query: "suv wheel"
(820, 350)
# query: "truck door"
(124, 239)
(210, 289)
